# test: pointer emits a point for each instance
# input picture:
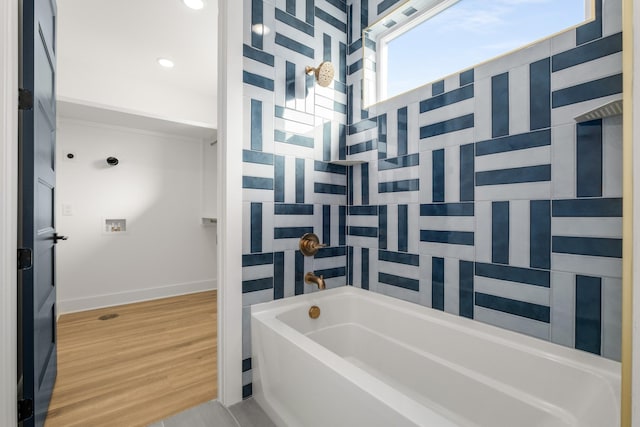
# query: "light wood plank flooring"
(153, 360)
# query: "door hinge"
(25, 258)
(25, 99)
(25, 409)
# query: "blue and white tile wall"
(292, 128)
(481, 196)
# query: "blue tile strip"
(399, 162)
(540, 234)
(587, 208)
(299, 180)
(365, 268)
(256, 227)
(592, 246)
(257, 285)
(589, 158)
(342, 225)
(588, 52)
(586, 91)
(540, 94)
(331, 252)
(382, 136)
(350, 266)
(437, 283)
(592, 30)
(588, 315)
(256, 21)
(403, 141)
(438, 176)
(290, 83)
(278, 275)
(500, 105)
(290, 232)
(258, 81)
(326, 141)
(500, 233)
(331, 20)
(291, 7)
(522, 141)
(294, 22)
(466, 289)
(293, 45)
(363, 210)
(382, 227)
(467, 77)
(514, 274)
(311, 5)
(450, 237)
(342, 142)
(448, 98)
(537, 312)
(386, 4)
(399, 258)
(514, 176)
(399, 281)
(363, 231)
(403, 228)
(292, 209)
(399, 186)
(326, 225)
(447, 126)
(250, 260)
(330, 273)
(364, 182)
(257, 157)
(319, 187)
(257, 183)
(257, 55)
(278, 193)
(447, 209)
(256, 125)
(467, 173)
(299, 273)
(437, 88)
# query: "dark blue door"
(37, 192)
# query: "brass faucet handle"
(310, 244)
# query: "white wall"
(157, 187)
(8, 209)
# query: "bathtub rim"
(267, 313)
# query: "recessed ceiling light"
(166, 63)
(194, 4)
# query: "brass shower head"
(324, 73)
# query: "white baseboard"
(138, 295)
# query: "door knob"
(57, 237)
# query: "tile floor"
(213, 414)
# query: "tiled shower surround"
(479, 194)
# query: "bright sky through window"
(471, 32)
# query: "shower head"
(324, 73)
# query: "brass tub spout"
(312, 278)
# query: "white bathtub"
(371, 360)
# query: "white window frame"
(382, 40)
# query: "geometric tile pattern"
(492, 202)
(292, 128)
(478, 194)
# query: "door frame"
(230, 136)
(230, 121)
(9, 56)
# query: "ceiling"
(121, 40)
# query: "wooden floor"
(154, 359)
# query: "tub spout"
(312, 278)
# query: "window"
(449, 36)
